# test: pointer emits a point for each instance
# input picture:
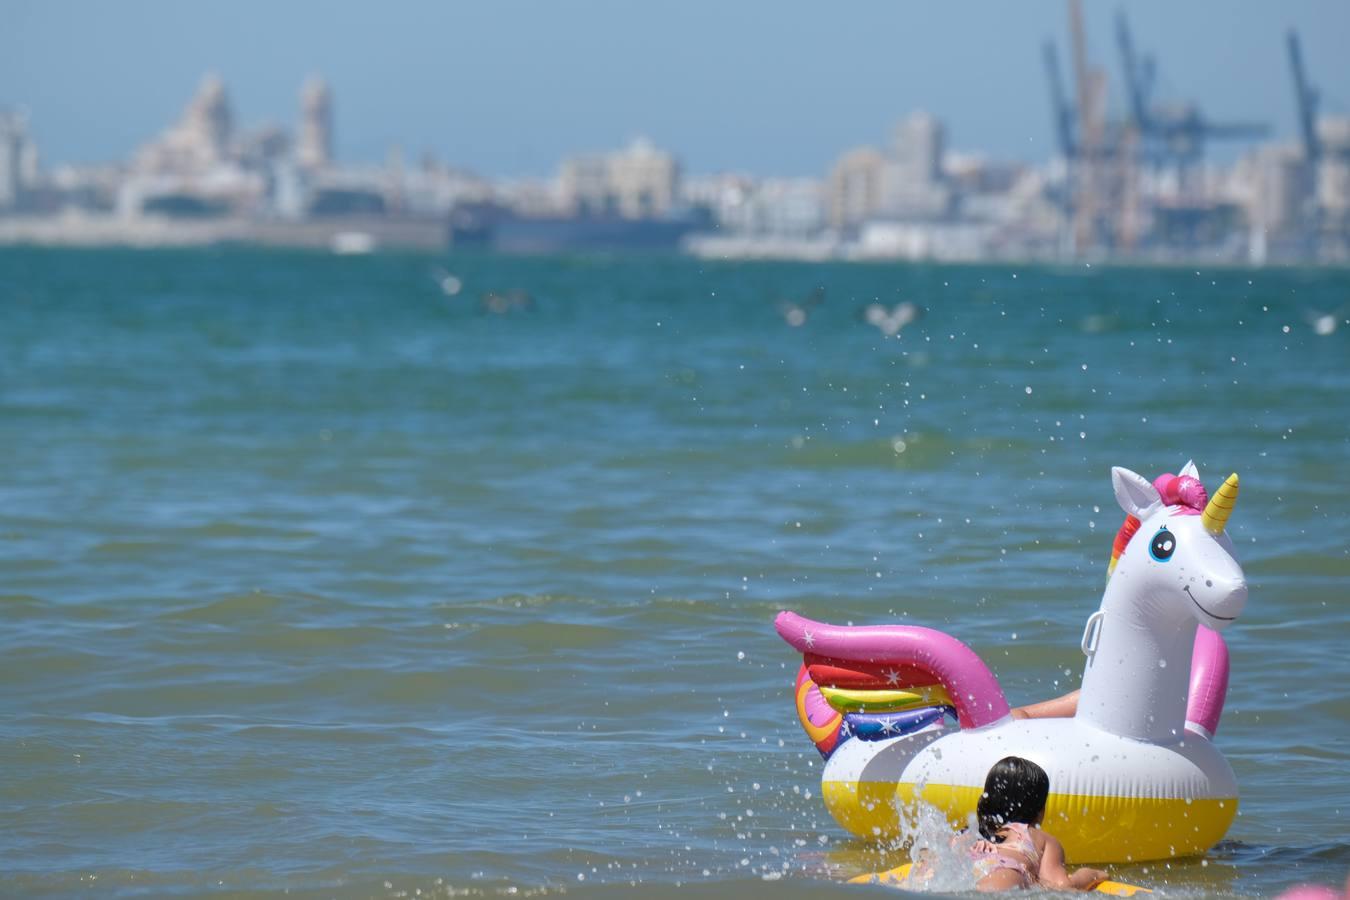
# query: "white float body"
(1113, 799)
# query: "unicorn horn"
(1220, 506)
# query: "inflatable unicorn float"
(1134, 774)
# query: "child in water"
(1013, 851)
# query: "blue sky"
(508, 87)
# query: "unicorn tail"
(892, 659)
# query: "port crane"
(1173, 133)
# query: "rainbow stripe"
(1123, 536)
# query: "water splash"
(941, 856)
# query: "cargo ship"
(496, 228)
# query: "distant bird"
(891, 321)
(1324, 323)
(1096, 324)
(796, 314)
(449, 284)
(501, 304)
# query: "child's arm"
(1054, 875)
(1059, 708)
(1086, 879)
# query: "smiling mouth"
(1187, 589)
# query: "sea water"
(320, 578)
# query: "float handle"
(1091, 632)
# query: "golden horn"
(1220, 506)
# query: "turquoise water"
(316, 579)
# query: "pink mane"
(1182, 491)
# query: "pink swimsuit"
(1017, 852)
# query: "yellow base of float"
(1102, 829)
(864, 808)
(1092, 829)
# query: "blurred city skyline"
(512, 88)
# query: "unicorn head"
(1174, 548)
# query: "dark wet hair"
(1014, 791)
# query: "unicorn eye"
(1163, 546)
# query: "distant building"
(14, 150)
(907, 183)
(263, 147)
(432, 189)
(854, 188)
(29, 163)
(972, 173)
(638, 182)
(199, 168)
(199, 141)
(723, 195)
(1333, 172)
(314, 150)
(784, 207)
(919, 142)
(1270, 184)
(583, 183)
(643, 179)
(912, 180)
(626, 200)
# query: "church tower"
(315, 148)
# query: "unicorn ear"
(1134, 493)
(1190, 469)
